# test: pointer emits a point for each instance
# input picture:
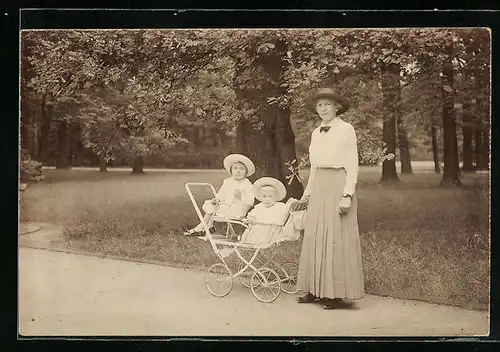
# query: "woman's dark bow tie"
(324, 129)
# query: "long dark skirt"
(330, 261)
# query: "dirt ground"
(68, 294)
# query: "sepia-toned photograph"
(254, 182)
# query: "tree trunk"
(435, 150)
(271, 148)
(482, 149)
(477, 146)
(214, 137)
(138, 165)
(35, 140)
(63, 142)
(392, 97)
(267, 138)
(485, 164)
(241, 136)
(103, 165)
(79, 154)
(451, 170)
(404, 148)
(467, 157)
(196, 134)
(45, 122)
(483, 126)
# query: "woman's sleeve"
(248, 197)
(351, 163)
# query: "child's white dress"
(230, 207)
(267, 224)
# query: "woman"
(330, 263)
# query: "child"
(234, 198)
(271, 211)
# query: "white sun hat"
(270, 181)
(233, 158)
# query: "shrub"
(30, 170)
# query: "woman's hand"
(305, 198)
(215, 201)
(344, 205)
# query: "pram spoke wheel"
(246, 276)
(219, 280)
(265, 285)
(288, 276)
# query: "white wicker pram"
(261, 273)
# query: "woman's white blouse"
(336, 148)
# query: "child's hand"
(215, 201)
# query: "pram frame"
(258, 279)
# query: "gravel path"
(69, 294)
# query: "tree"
(101, 130)
(96, 59)
(160, 63)
(435, 52)
(473, 65)
(467, 131)
(408, 74)
(451, 175)
(435, 153)
(383, 54)
(112, 128)
(265, 134)
(392, 99)
(253, 79)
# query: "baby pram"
(257, 268)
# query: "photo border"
(114, 19)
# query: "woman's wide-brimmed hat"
(239, 158)
(270, 181)
(327, 93)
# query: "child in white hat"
(270, 211)
(234, 198)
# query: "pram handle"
(188, 186)
(266, 224)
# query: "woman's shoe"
(308, 298)
(331, 303)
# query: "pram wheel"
(219, 280)
(246, 276)
(265, 284)
(288, 277)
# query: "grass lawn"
(420, 241)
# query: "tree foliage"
(129, 89)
